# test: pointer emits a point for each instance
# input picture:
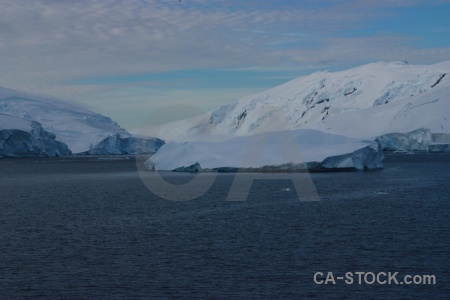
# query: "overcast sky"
(126, 59)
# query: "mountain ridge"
(309, 102)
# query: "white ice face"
(23, 138)
(282, 150)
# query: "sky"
(131, 58)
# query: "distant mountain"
(82, 130)
(363, 102)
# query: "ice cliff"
(21, 138)
(126, 144)
(418, 140)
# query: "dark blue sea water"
(88, 228)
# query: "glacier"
(366, 102)
(418, 140)
(289, 150)
(22, 138)
(82, 130)
(126, 144)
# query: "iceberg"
(126, 144)
(289, 150)
(22, 138)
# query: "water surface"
(89, 228)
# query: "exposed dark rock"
(351, 92)
(439, 80)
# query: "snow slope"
(22, 138)
(362, 102)
(288, 150)
(430, 110)
(82, 130)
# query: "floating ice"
(290, 150)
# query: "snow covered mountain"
(82, 130)
(363, 102)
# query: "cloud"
(63, 40)
(339, 51)
(49, 47)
